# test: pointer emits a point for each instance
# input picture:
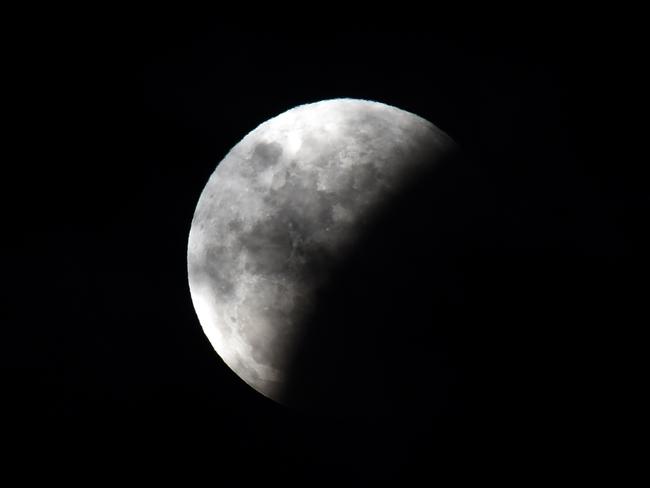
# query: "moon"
(285, 205)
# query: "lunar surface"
(281, 210)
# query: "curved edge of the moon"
(446, 140)
(205, 311)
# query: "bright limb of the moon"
(280, 209)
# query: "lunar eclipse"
(281, 210)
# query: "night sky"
(480, 294)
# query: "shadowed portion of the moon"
(449, 307)
(376, 336)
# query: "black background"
(482, 295)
